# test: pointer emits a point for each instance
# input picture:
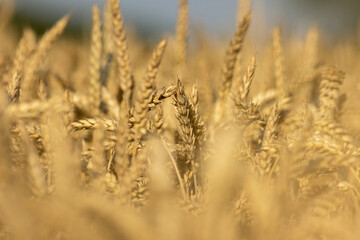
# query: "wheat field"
(111, 137)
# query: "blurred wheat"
(240, 146)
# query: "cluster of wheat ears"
(200, 144)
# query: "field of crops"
(112, 137)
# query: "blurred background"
(335, 18)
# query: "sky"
(213, 14)
(216, 16)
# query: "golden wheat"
(243, 148)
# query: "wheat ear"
(108, 32)
(159, 120)
(181, 34)
(195, 119)
(36, 178)
(94, 123)
(242, 8)
(279, 62)
(23, 50)
(229, 66)
(245, 85)
(42, 50)
(331, 80)
(231, 55)
(182, 108)
(147, 88)
(161, 94)
(269, 152)
(122, 53)
(95, 65)
(244, 109)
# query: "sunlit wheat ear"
(243, 7)
(158, 120)
(158, 96)
(229, 66)
(269, 155)
(195, 119)
(279, 63)
(182, 107)
(94, 123)
(25, 47)
(181, 34)
(40, 53)
(108, 38)
(35, 174)
(230, 58)
(331, 80)
(147, 88)
(247, 79)
(187, 136)
(126, 81)
(35, 136)
(245, 110)
(95, 62)
(122, 151)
